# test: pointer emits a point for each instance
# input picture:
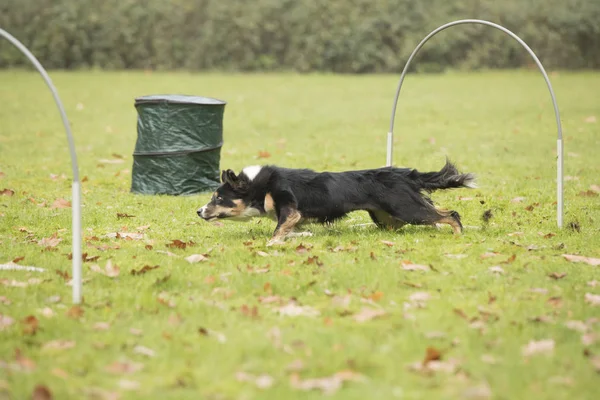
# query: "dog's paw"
(275, 242)
(299, 234)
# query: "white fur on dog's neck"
(251, 171)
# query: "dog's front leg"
(288, 218)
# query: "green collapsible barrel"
(178, 147)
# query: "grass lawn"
(495, 313)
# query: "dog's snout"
(199, 212)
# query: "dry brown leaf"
(588, 260)
(109, 269)
(126, 384)
(61, 203)
(75, 312)
(41, 392)
(123, 367)
(7, 192)
(264, 154)
(592, 299)
(30, 325)
(52, 241)
(125, 235)
(461, 313)
(124, 215)
(557, 275)
(387, 243)
(301, 249)
(431, 354)
(59, 344)
(328, 385)
(590, 120)
(595, 188)
(143, 270)
(262, 381)
(588, 339)
(262, 253)
(538, 347)
(366, 314)
(449, 366)
(5, 322)
(60, 373)
(578, 326)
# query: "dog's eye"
(219, 198)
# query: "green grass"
(497, 125)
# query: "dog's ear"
(228, 176)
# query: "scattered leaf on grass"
(588, 193)
(479, 392)
(592, 299)
(496, 269)
(63, 274)
(16, 260)
(408, 266)
(387, 243)
(196, 258)
(101, 326)
(461, 313)
(136, 332)
(4, 300)
(262, 253)
(60, 373)
(301, 249)
(41, 392)
(50, 242)
(293, 310)
(75, 312)
(124, 367)
(588, 260)
(144, 269)
(328, 385)
(166, 299)
(588, 339)
(555, 301)
(419, 299)
(431, 354)
(47, 312)
(109, 269)
(30, 325)
(61, 203)
(125, 235)
(144, 351)
(595, 188)
(126, 384)
(578, 326)
(366, 314)
(7, 192)
(590, 120)
(264, 154)
(59, 344)
(538, 347)
(5, 322)
(178, 244)
(557, 275)
(509, 260)
(262, 381)
(124, 215)
(593, 283)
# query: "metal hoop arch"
(76, 190)
(559, 143)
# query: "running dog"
(392, 196)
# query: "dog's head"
(231, 199)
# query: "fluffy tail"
(447, 178)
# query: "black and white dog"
(392, 196)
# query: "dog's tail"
(447, 178)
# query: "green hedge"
(350, 36)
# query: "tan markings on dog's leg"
(452, 222)
(269, 204)
(288, 225)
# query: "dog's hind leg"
(384, 220)
(288, 218)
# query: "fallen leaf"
(408, 266)
(313, 260)
(588, 193)
(75, 312)
(590, 120)
(262, 254)
(24, 363)
(166, 299)
(47, 312)
(496, 269)
(449, 366)
(168, 253)
(588, 260)
(125, 235)
(515, 234)
(60, 373)
(101, 326)
(595, 188)
(517, 200)
(419, 299)
(264, 154)
(30, 325)
(479, 392)
(124, 367)
(7, 192)
(489, 359)
(592, 299)
(144, 269)
(16, 260)
(593, 283)
(387, 243)
(52, 241)
(5, 322)
(431, 354)
(61, 203)
(144, 351)
(4, 300)
(63, 274)
(124, 215)
(539, 290)
(555, 301)
(126, 384)
(328, 385)
(578, 326)
(41, 392)
(293, 310)
(262, 381)
(109, 269)
(557, 275)
(301, 249)
(59, 344)
(588, 339)
(196, 258)
(538, 347)
(111, 161)
(367, 314)
(456, 256)
(136, 332)
(461, 313)
(509, 260)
